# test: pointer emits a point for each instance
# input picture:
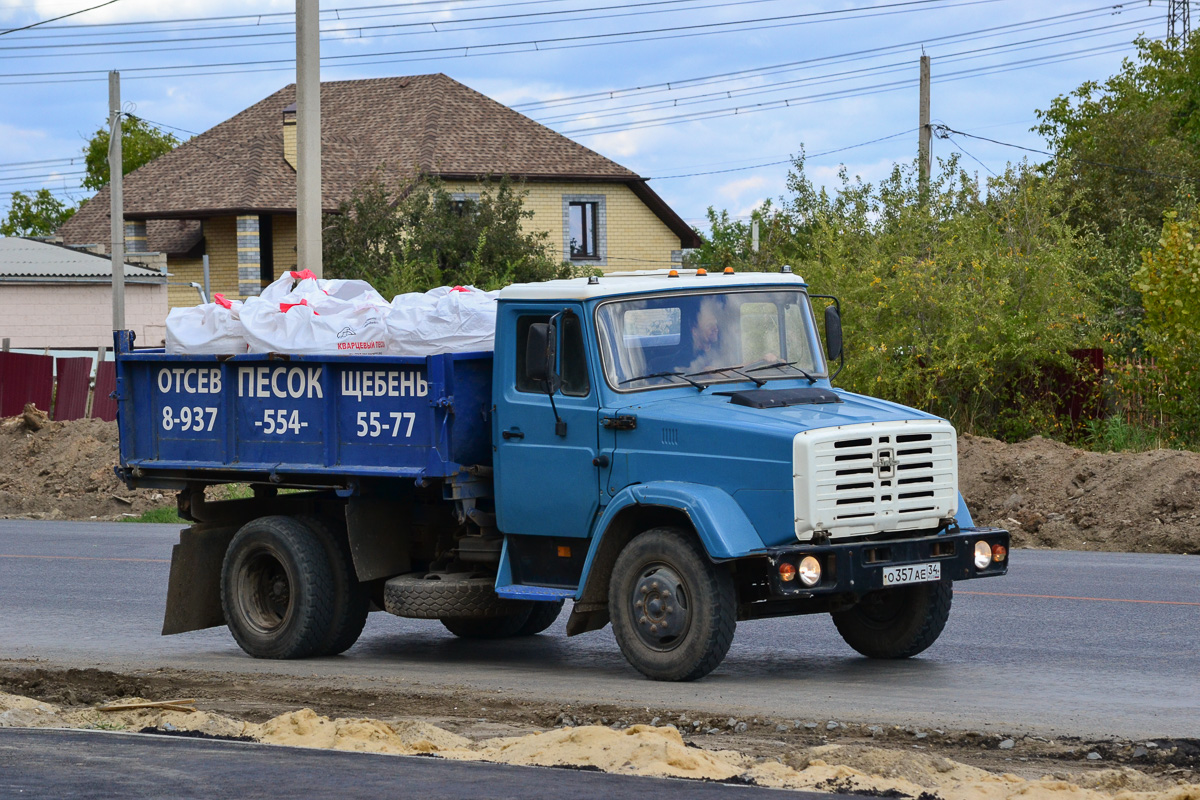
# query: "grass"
(161, 514)
(1115, 435)
(228, 491)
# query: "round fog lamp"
(983, 554)
(999, 553)
(787, 571)
(810, 571)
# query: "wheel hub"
(660, 607)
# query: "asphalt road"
(91, 764)
(1069, 643)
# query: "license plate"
(913, 573)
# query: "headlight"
(983, 554)
(810, 570)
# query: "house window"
(463, 203)
(584, 227)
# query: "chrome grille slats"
(859, 479)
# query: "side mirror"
(541, 352)
(833, 333)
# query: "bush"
(1169, 282)
(425, 237)
(965, 302)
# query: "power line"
(55, 19)
(946, 129)
(610, 94)
(786, 161)
(563, 42)
(655, 122)
(770, 88)
(437, 26)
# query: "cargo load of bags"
(304, 315)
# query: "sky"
(703, 97)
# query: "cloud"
(735, 189)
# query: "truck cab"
(665, 449)
(696, 412)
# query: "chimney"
(289, 135)
(135, 236)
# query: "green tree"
(1169, 283)
(426, 237)
(39, 215)
(141, 143)
(964, 303)
(1128, 150)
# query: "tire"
(541, 617)
(350, 602)
(673, 611)
(899, 622)
(490, 628)
(277, 589)
(462, 598)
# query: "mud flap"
(194, 589)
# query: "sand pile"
(637, 750)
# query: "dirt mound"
(64, 470)
(1051, 495)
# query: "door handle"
(514, 433)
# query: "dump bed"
(300, 418)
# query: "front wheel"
(899, 622)
(673, 611)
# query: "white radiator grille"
(877, 476)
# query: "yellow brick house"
(230, 193)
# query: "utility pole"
(1179, 20)
(308, 136)
(116, 177)
(925, 140)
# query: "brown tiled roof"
(90, 225)
(429, 124)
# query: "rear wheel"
(899, 622)
(350, 602)
(673, 611)
(541, 617)
(493, 628)
(277, 588)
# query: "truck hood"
(707, 409)
(705, 438)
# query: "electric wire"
(655, 122)
(562, 42)
(55, 19)
(836, 77)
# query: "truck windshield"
(708, 337)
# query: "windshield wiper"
(699, 386)
(735, 370)
(779, 364)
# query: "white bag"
(209, 329)
(461, 319)
(296, 287)
(338, 328)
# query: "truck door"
(546, 484)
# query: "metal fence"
(62, 387)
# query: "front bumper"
(857, 567)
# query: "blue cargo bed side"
(381, 416)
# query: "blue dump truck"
(663, 449)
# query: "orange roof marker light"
(729, 270)
(673, 273)
(701, 271)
